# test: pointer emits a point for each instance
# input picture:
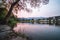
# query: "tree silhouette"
(15, 5)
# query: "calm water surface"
(39, 31)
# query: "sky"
(49, 10)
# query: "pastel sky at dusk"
(51, 9)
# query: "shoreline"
(7, 34)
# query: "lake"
(39, 31)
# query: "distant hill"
(31, 18)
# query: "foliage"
(3, 12)
(12, 21)
(22, 4)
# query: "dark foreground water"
(39, 31)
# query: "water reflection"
(39, 31)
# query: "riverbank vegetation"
(12, 21)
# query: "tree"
(15, 5)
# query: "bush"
(12, 21)
(3, 12)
